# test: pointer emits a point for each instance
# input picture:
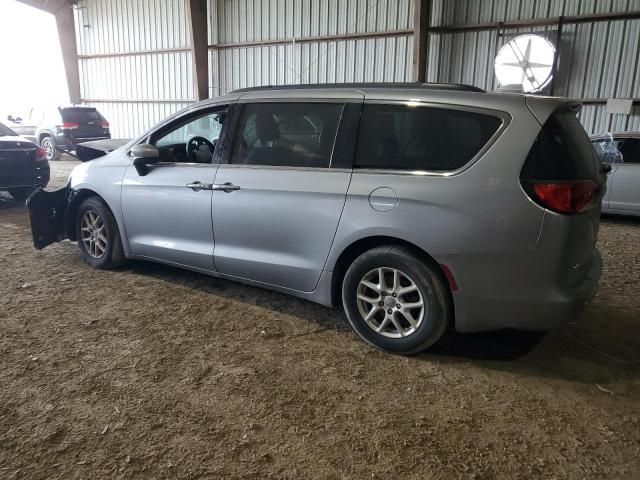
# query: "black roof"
(399, 85)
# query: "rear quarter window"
(562, 151)
(402, 137)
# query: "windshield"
(6, 131)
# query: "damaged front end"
(48, 215)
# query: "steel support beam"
(421, 23)
(67, 35)
(197, 20)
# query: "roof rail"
(400, 85)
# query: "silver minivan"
(419, 208)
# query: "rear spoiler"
(543, 107)
(99, 148)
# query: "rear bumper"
(38, 177)
(509, 291)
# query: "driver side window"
(192, 140)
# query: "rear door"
(281, 190)
(625, 188)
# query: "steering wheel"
(194, 144)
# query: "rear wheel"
(395, 300)
(21, 193)
(98, 236)
(49, 147)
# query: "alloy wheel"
(49, 149)
(390, 302)
(92, 231)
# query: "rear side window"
(286, 134)
(402, 137)
(562, 151)
(80, 115)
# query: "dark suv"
(62, 128)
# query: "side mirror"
(144, 155)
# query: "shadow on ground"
(555, 354)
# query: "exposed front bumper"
(69, 144)
(48, 216)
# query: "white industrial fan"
(525, 63)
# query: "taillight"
(105, 124)
(41, 155)
(68, 126)
(566, 197)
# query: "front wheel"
(395, 300)
(98, 236)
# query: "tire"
(100, 245)
(21, 193)
(49, 146)
(396, 333)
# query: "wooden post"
(197, 20)
(421, 22)
(67, 35)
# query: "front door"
(167, 216)
(276, 221)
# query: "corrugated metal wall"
(597, 60)
(132, 87)
(135, 87)
(351, 60)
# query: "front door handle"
(197, 186)
(226, 187)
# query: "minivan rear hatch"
(563, 175)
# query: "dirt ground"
(153, 372)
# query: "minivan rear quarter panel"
(464, 219)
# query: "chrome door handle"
(197, 186)
(225, 187)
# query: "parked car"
(23, 165)
(418, 208)
(62, 128)
(622, 152)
